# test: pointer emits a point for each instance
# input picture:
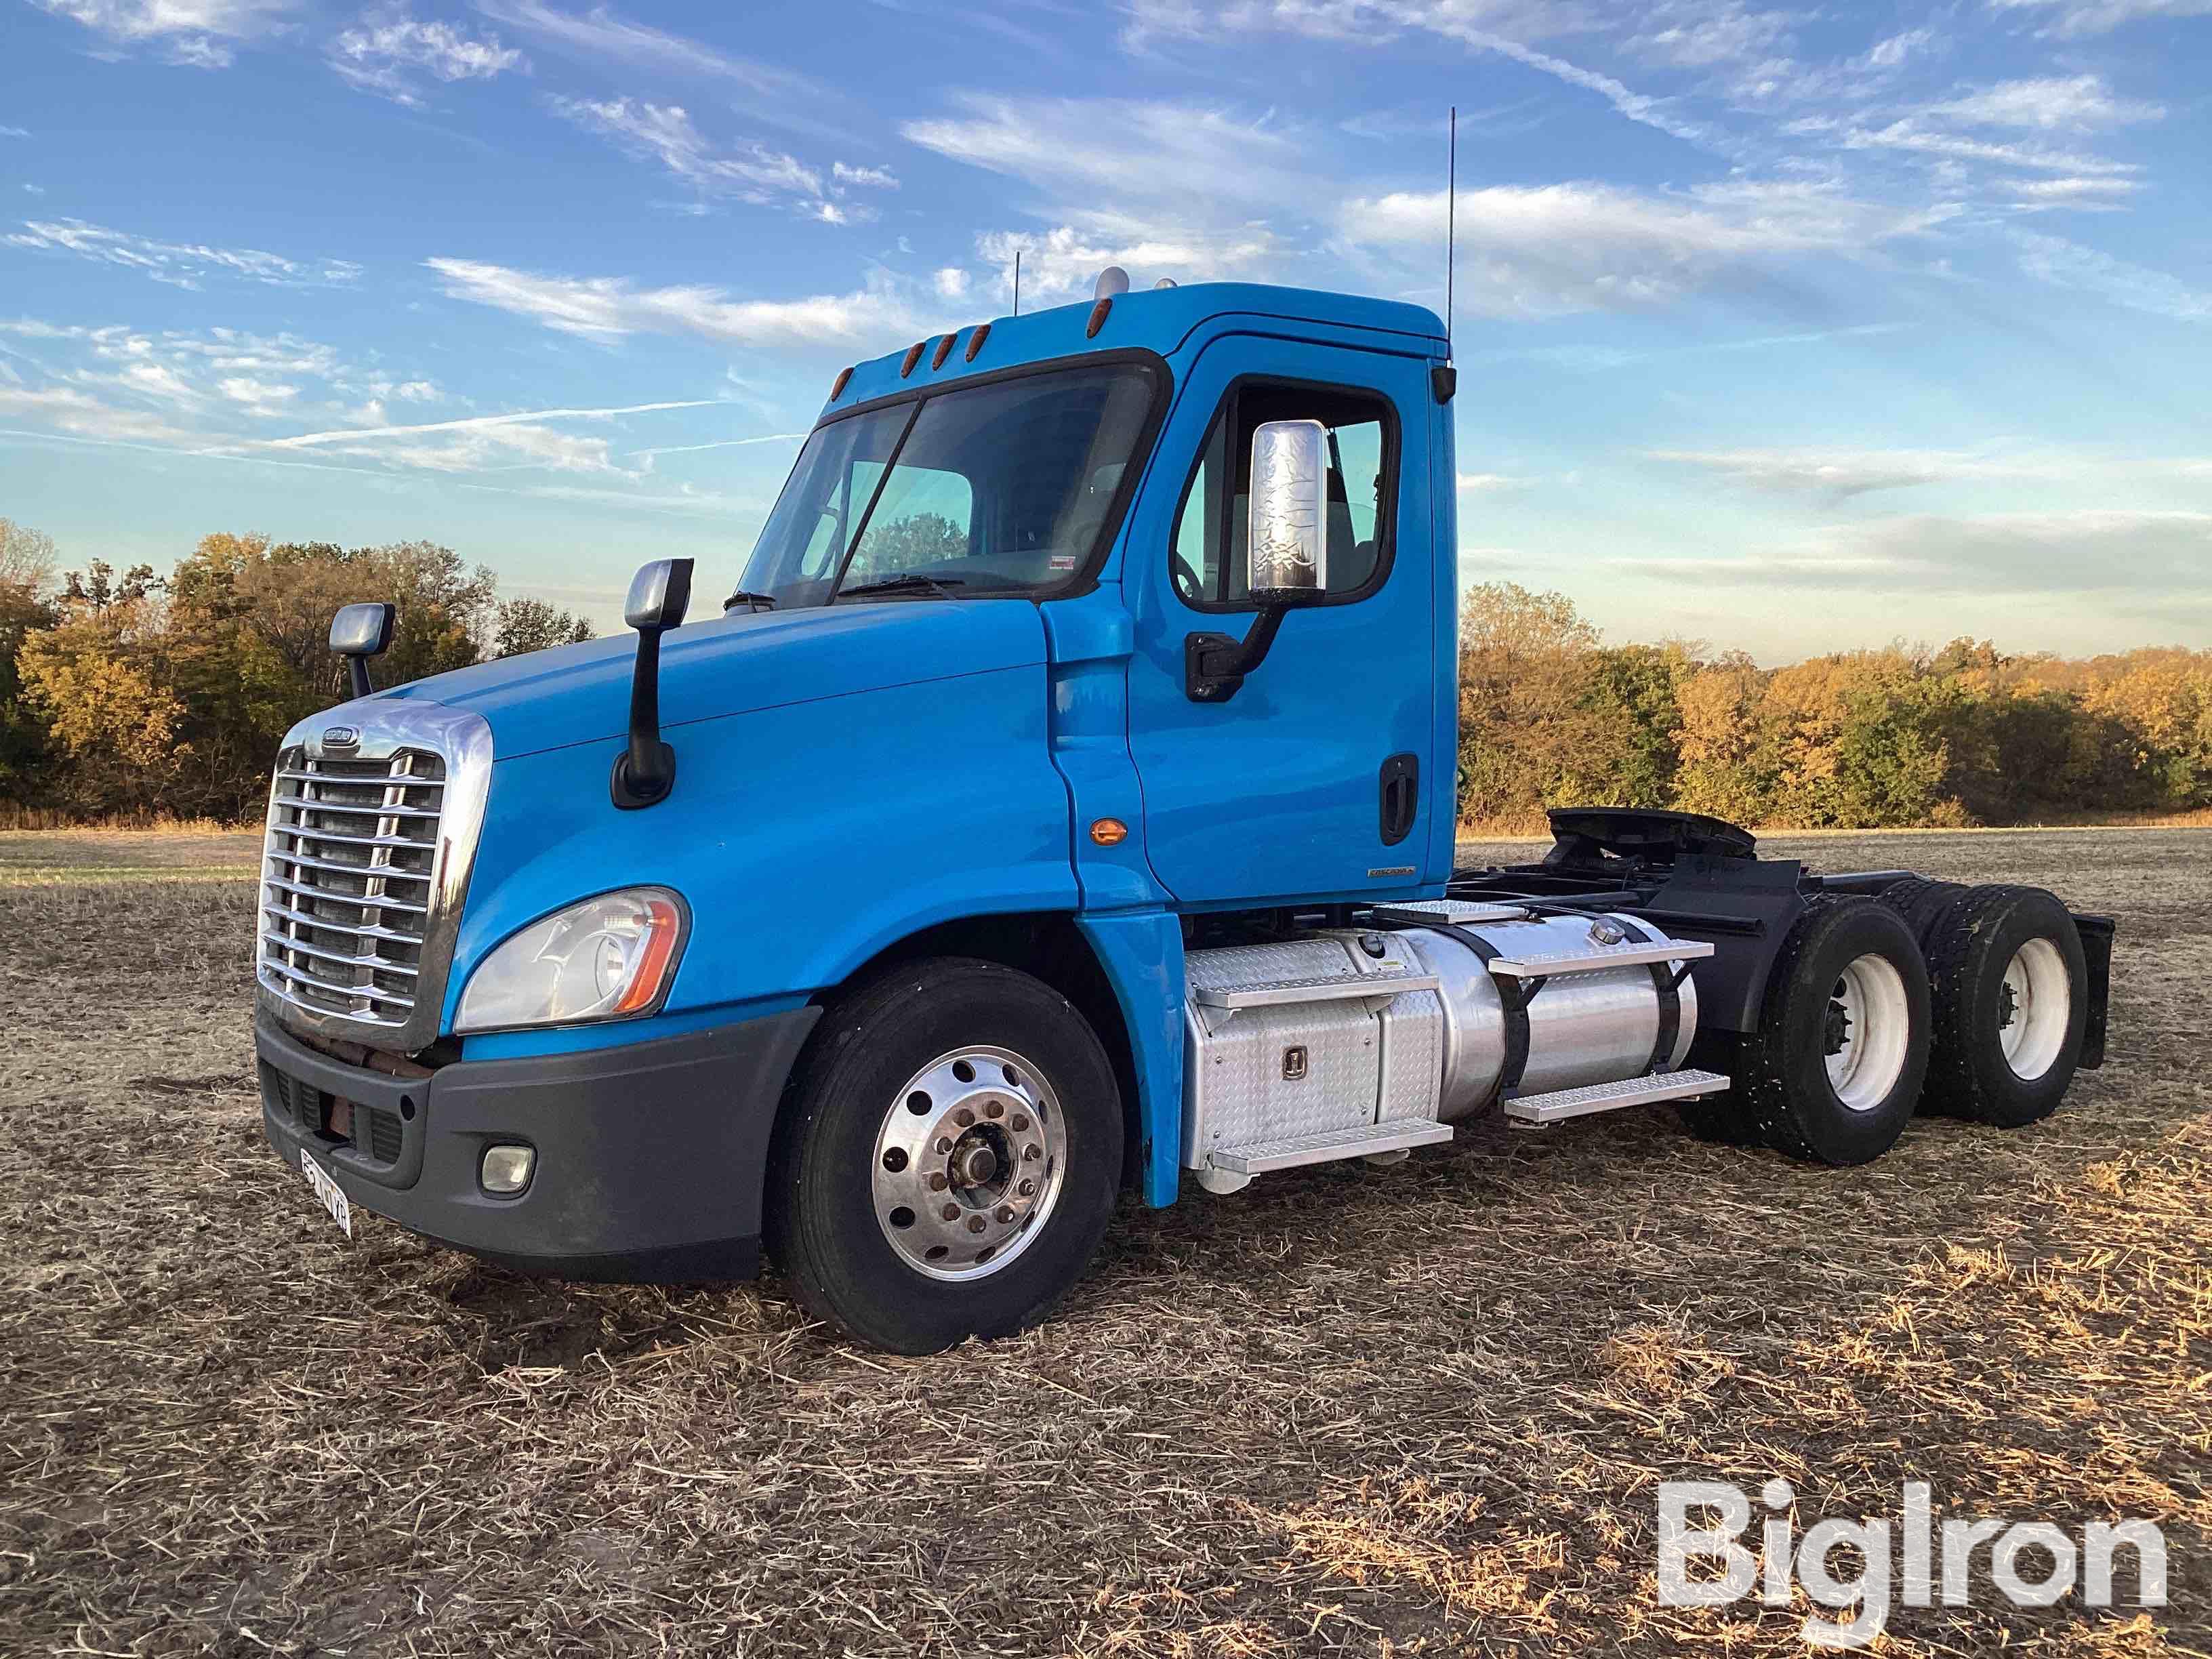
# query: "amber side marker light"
(663, 929)
(1109, 832)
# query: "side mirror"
(359, 632)
(660, 594)
(1289, 537)
(1289, 554)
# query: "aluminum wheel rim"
(968, 1162)
(1868, 1026)
(2035, 1005)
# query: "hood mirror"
(359, 632)
(1289, 554)
(660, 594)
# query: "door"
(1296, 785)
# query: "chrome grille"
(349, 878)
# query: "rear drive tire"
(949, 1158)
(2011, 1002)
(1834, 1072)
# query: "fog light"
(506, 1169)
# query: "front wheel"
(950, 1161)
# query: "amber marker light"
(1109, 832)
(664, 927)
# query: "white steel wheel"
(968, 1164)
(1868, 1032)
(2035, 1009)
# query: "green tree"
(533, 625)
(27, 571)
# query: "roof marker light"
(1097, 319)
(913, 356)
(844, 379)
(944, 350)
(976, 341)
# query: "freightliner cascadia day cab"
(1062, 805)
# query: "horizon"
(1776, 329)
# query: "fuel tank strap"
(1512, 994)
(1666, 985)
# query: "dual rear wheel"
(1970, 1001)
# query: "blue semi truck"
(1061, 805)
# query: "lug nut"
(994, 1108)
(964, 1118)
(1031, 1154)
(1027, 1189)
(950, 1212)
(945, 1143)
(1018, 1121)
(1006, 1212)
(975, 1223)
(938, 1183)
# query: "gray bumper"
(652, 1158)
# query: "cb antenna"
(1451, 217)
(1018, 282)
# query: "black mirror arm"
(646, 770)
(357, 676)
(1215, 665)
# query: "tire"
(2010, 986)
(873, 1145)
(1834, 1072)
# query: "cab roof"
(1153, 320)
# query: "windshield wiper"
(750, 601)
(907, 581)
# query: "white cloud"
(609, 307)
(1912, 134)
(1702, 35)
(2073, 103)
(1492, 483)
(2036, 195)
(67, 410)
(267, 398)
(14, 132)
(180, 264)
(387, 52)
(665, 132)
(418, 392)
(2069, 265)
(864, 178)
(601, 35)
(2069, 18)
(189, 32)
(1063, 263)
(1555, 248)
(951, 284)
(1839, 473)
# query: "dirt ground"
(1420, 1410)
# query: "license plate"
(327, 1190)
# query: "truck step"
(1361, 1140)
(1456, 913)
(1376, 988)
(1595, 958)
(1563, 1103)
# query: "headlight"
(602, 959)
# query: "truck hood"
(735, 665)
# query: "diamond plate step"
(1328, 1146)
(1379, 988)
(1563, 1103)
(1458, 913)
(1597, 957)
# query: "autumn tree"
(534, 625)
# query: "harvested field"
(1350, 1410)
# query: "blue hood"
(735, 665)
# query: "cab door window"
(1208, 557)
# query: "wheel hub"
(968, 1162)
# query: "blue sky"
(1785, 329)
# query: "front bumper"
(652, 1158)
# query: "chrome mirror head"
(1289, 538)
(660, 594)
(363, 630)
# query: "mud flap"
(2096, 933)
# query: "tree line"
(127, 694)
(1895, 737)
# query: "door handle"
(1401, 790)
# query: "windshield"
(1002, 488)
